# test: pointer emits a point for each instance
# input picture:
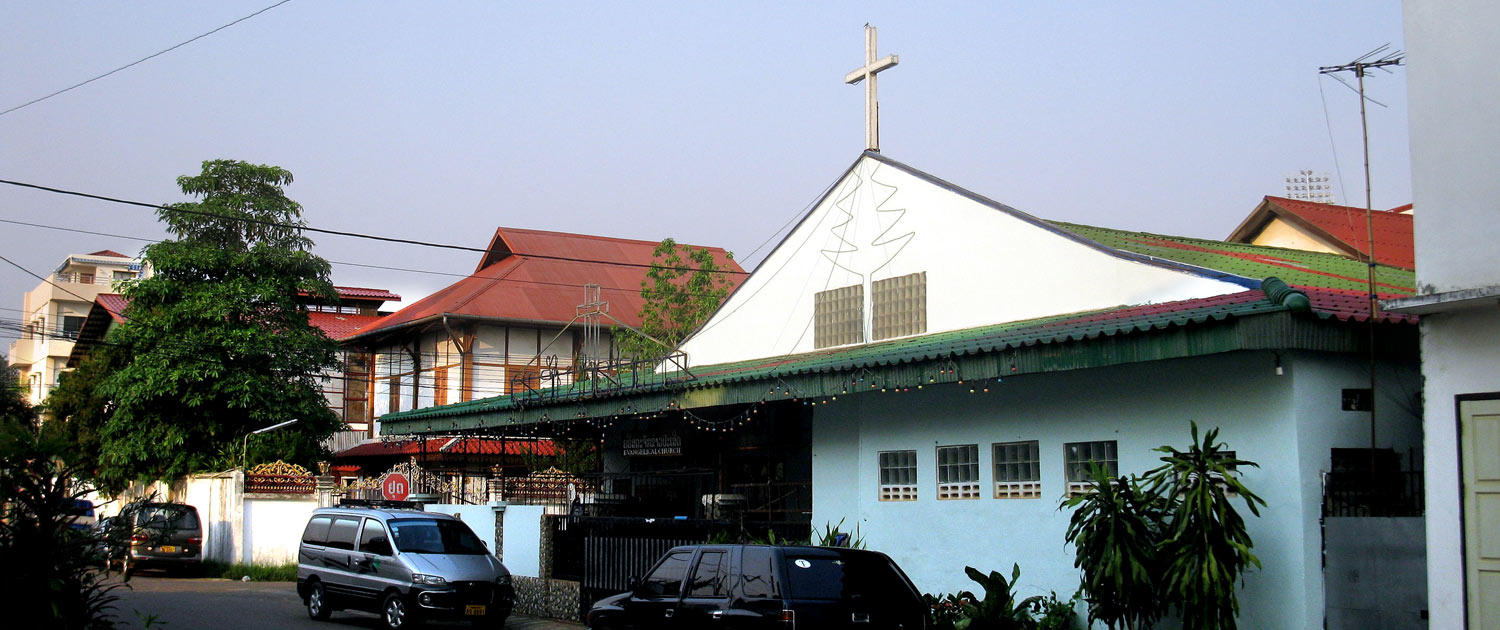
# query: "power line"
(373, 237)
(353, 264)
(28, 272)
(142, 59)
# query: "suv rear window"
(165, 516)
(832, 577)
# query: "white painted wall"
(273, 527)
(1455, 132)
(523, 539)
(480, 518)
(984, 266)
(221, 512)
(1141, 407)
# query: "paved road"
(184, 603)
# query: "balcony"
(23, 352)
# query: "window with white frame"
(1018, 470)
(958, 472)
(898, 475)
(1080, 457)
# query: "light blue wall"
(1142, 407)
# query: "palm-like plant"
(1115, 530)
(1205, 548)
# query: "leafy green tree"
(1206, 548)
(681, 291)
(79, 409)
(215, 342)
(1115, 531)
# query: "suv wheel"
(394, 613)
(317, 602)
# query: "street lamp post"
(245, 444)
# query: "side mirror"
(634, 584)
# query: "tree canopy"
(215, 342)
(681, 291)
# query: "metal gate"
(603, 553)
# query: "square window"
(958, 471)
(898, 475)
(1018, 470)
(1079, 457)
(900, 306)
(839, 316)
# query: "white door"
(1481, 462)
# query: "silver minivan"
(404, 565)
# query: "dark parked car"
(759, 586)
(159, 535)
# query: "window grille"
(898, 476)
(958, 472)
(900, 306)
(839, 316)
(1018, 470)
(1078, 457)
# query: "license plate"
(474, 609)
(168, 549)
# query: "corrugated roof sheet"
(1341, 226)
(114, 304)
(1297, 267)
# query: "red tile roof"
(536, 276)
(1344, 226)
(108, 252)
(114, 304)
(339, 325)
(451, 446)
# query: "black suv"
(758, 586)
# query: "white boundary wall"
(253, 529)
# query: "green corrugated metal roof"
(1111, 336)
(1296, 267)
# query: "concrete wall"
(1371, 563)
(523, 539)
(1141, 407)
(480, 518)
(1454, 130)
(273, 527)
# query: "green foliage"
(256, 572)
(575, 457)
(13, 405)
(834, 536)
(215, 343)
(999, 609)
(680, 291)
(1169, 539)
(1054, 613)
(79, 410)
(51, 579)
(1206, 548)
(1115, 530)
(945, 611)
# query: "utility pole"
(1360, 67)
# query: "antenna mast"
(1360, 67)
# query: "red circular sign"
(395, 487)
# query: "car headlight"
(422, 578)
(503, 580)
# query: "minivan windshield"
(425, 535)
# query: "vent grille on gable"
(900, 306)
(838, 316)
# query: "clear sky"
(712, 123)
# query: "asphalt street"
(173, 603)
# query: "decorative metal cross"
(866, 73)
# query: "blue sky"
(712, 123)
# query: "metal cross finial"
(866, 73)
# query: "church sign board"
(641, 445)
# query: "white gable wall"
(984, 266)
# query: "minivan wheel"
(317, 602)
(394, 613)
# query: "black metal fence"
(1381, 494)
